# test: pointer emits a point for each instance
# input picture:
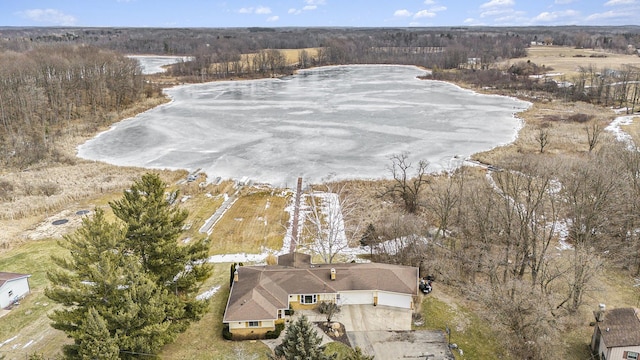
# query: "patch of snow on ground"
(209, 293)
(562, 229)
(615, 128)
(8, 341)
(240, 257)
(27, 344)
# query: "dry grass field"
(565, 123)
(567, 60)
(256, 222)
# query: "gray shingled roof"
(620, 327)
(7, 276)
(261, 290)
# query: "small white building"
(616, 334)
(13, 287)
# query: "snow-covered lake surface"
(343, 121)
(152, 64)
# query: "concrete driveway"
(385, 332)
(373, 318)
(402, 345)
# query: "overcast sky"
(356, 13)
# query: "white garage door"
(356, 297)
(397, 300)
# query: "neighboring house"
(260, 295)
(617, 334)
(13, 287)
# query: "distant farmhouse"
(13, 287)
(260, 295)
(616, 334)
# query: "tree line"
(44, 90)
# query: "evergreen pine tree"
(153, 226)
(131, 279)
(96, 342)
(102, 278)
(357, 354)
(301, 342)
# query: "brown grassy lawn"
(255, 221)
(567, 60)
(442, 309)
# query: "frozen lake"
(152, 64)
(344, 122)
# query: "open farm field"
(568, 60)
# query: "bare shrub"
(6, 190)
(271, 259)
(580, 118)
(49, 188)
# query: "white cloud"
(438, 8)
(619, 2)
(260, 10)
(497, 3)
(563, 2)
(49, 16)
(263, 10)
(310, 6)
(495, 12)
(429, 2)
(402, 13)
(273, 18)
(424, 14)
(555, 15)
(606, 15)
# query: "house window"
(308, 299)
(632, 355)
(253, 324)
(10, 293)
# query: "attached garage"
(393, 299)
(355, 297)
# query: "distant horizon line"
(460, 27)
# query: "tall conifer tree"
(153, 226)
(130, 280)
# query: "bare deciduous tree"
(405, 184)
(542, 138)
(593, 133)
(326, 222)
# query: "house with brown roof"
(616, 334)
(13, 287)
(260, 295)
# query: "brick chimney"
(333, 273)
